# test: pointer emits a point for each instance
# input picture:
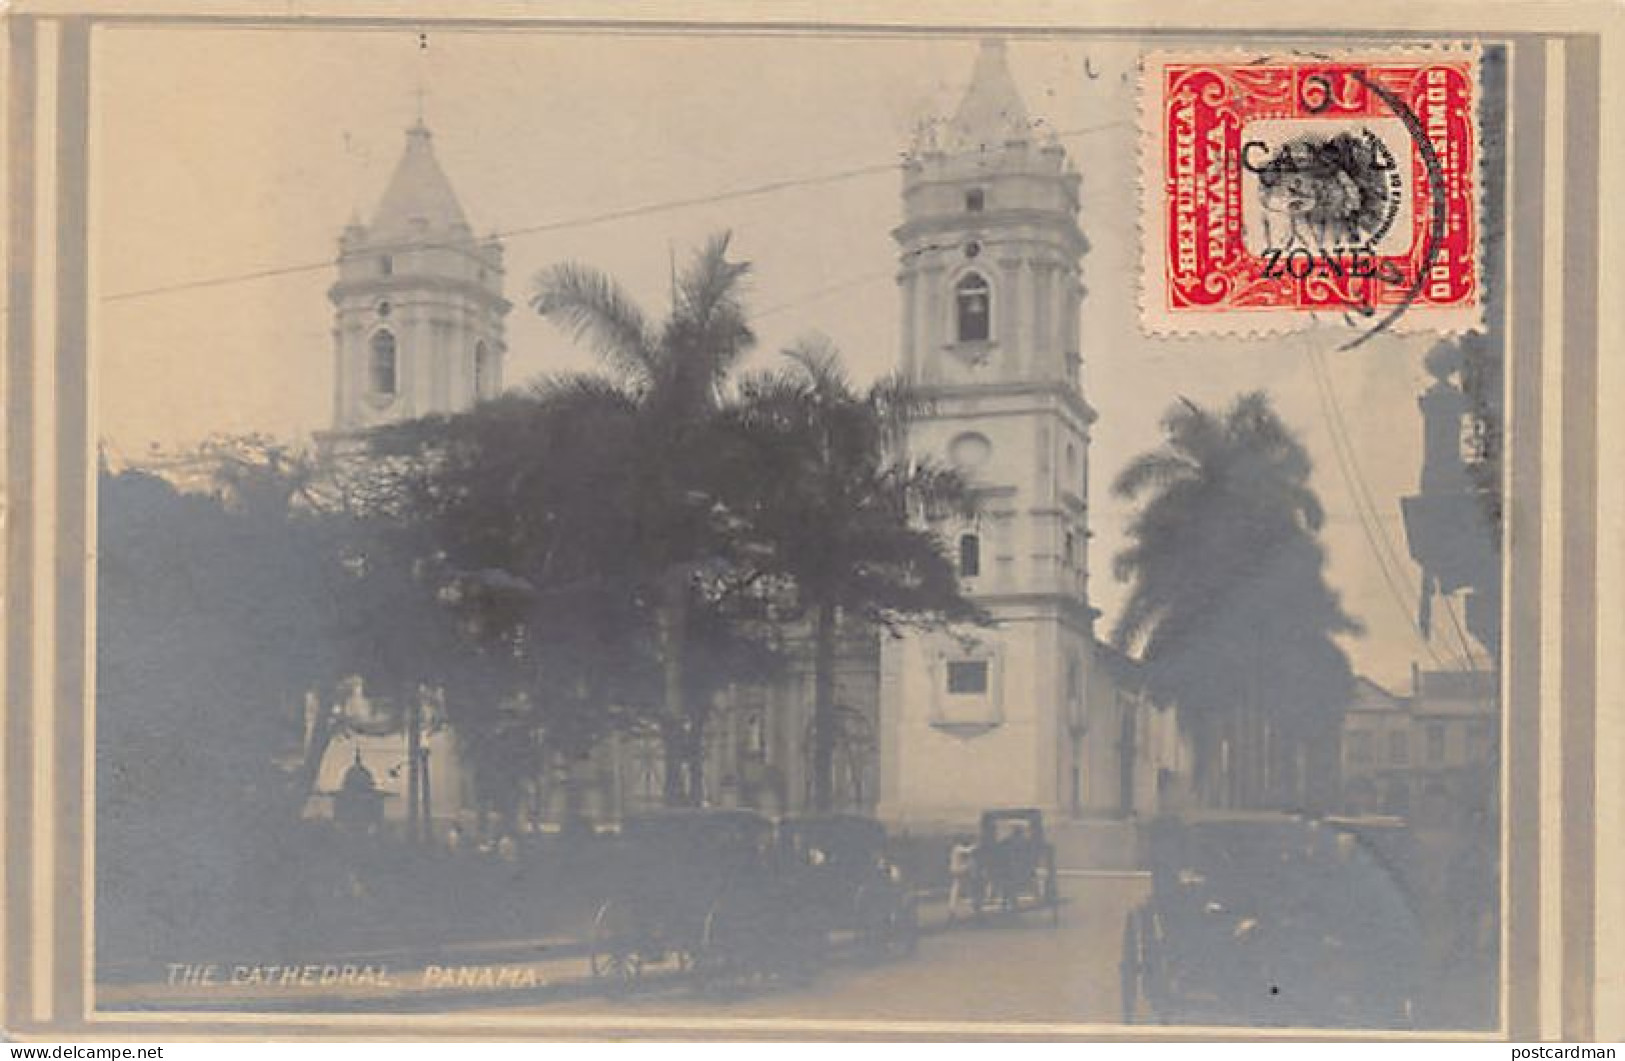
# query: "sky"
(225, 164)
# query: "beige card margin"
(1566, 920)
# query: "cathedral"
(1032, 711)
(418, 306)
(988, 264)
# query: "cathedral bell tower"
(988, 269)
(418, 306)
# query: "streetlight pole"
(428, 804)
(414, 766)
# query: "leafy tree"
(1229, 605)
(375, 604)
(213, 619)
(334, 590)
(814, 473)
(528, 505)
(521, 507)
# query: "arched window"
(484, 371)
(381, 370)
(970, 555)
(972, 303)
(969, 452)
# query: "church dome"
(418, 308)
(419, 199)
(991, 114)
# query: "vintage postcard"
(526, 523)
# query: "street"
(1008, 967)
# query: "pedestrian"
(961, 872)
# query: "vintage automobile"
(1013, 867)
(838, 868)
(1269, 920)
(667, 876)
(757, 931)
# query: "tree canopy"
(1229, 605)
(813, 469)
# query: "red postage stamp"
(1285, 192)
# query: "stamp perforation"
(1432, 287)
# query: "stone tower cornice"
(418, 302)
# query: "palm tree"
(672, 377)
(1229, 606)
(814, 473)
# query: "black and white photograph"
(803, 531)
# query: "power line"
(1365, 490)
(1456, 624)
(1365, 503)
(1375, 537)
(1382, 549)
(219, 281)
(584, 221)
(821, 292)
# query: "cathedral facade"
(989, 255)
(933, 727)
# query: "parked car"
(1270, 920)
(667, 876)
(1013, 865)
(840, 871)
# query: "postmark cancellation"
(1298, 191)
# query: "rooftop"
(419, 199)
(991, 113)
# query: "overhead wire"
(582, 221)
(1393, 551)
(1390, 563)
(1370, 528)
